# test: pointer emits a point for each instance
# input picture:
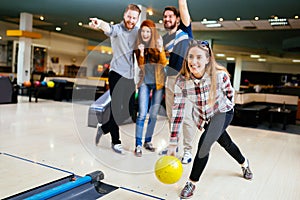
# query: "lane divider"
(38, 163)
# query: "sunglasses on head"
(202, 43)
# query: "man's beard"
(170, 27)
(129, 25)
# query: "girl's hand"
(141, 47)
(159, 44)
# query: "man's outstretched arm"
(184, 12)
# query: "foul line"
(44, 165)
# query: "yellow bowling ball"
(50, 84)
(168, 169)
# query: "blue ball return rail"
(93, 177)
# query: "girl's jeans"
(143, 99)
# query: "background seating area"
(68, 89)
(252, 108)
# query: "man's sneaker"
(247, 174)
(187, 191)
(165, 151)
(138, 151)
(149, 146)
(187, 157)
(118, 148)
(99, 134)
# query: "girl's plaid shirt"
(197, 91)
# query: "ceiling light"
(238, 19)
(296, 17)
(254, 56)
(160, 21)
(112, 23)
(80, 24)
(58, 29)
(0, 37)
(230, 58)
(221, 19)
(209, 22)
(42, 18)
(278, 21)
(262, 60)
(296, 61)
(220, 55)
(256, 18)
(150, 12)
(213, 25)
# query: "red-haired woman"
(151, 60)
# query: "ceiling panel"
(248, 33)
(262, 24)
(294, 23)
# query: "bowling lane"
(128, 194)
(18, 175)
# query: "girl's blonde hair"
(211, 68)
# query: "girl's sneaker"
(187, 191)
(138, 151)
(247, 174)
(149, 146)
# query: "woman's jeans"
(144, 98)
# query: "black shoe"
(149, 146)
(99, 134)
